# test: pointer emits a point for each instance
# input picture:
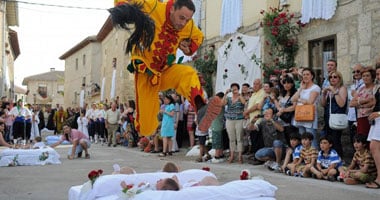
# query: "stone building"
(97, 65)
(45, 89)
(82, 72)
(9, 47)
(350, 35)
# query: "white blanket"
(29, 157)
(108, 187)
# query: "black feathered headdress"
(143, 35)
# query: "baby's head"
(167, 184)
(123, 170)
(38, 139)
(170, 167)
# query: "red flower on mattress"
(206, 168)
(94, 174)
(245, 174)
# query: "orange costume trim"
(155, 69)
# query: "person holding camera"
(273, 137)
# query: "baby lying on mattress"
(152, 186)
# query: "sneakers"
(206, 158)
(207, 114)
(217, 160)
(275, 167)
(340, 178)
(269, 163)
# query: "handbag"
(287, 116)
(337, 121)
(304, 113)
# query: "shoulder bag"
(287, 116)
(337, 121)
(304, 113)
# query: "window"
(320, 51)
(76, 64)
(84, 60)
(60, 88)
(42, 90)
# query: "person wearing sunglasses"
(336, 94)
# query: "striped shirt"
(363, 159)
(308, 154)
(297, 152)
(331, 158)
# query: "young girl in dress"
(82, 123)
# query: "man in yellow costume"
(159, 30)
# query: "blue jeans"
(268, 152)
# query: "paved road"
(52, 182)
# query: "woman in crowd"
(2, 141)
(234, 121)
(20, 116)
(374, 133)
(268, 102)
(307, 94)
(364, 100)
(334, 99)
(284, 105)
(190, 124)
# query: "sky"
(47, 32)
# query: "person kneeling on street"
(79, 140)
(273, 137)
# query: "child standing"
(167, 126)
(362, 168)
(308, 156)
(292, 154)
(328, 160)
(83, 123)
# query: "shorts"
(362, 177)
(79, 148)
(202, 140)
(268, 152)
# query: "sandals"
(87, 156)
(371, 186)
